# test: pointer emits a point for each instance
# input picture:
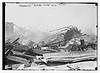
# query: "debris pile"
(68, 45)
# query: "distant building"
(9, 29)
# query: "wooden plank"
(17, 59)
(75, 57)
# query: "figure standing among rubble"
(82, 44)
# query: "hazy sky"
(46, 18)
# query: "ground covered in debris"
(89, 65)
(59, 62)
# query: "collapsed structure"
(69, 39)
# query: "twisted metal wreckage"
(16, 52)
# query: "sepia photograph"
(50, 36)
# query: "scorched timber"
(71, 58)
(18, 59)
